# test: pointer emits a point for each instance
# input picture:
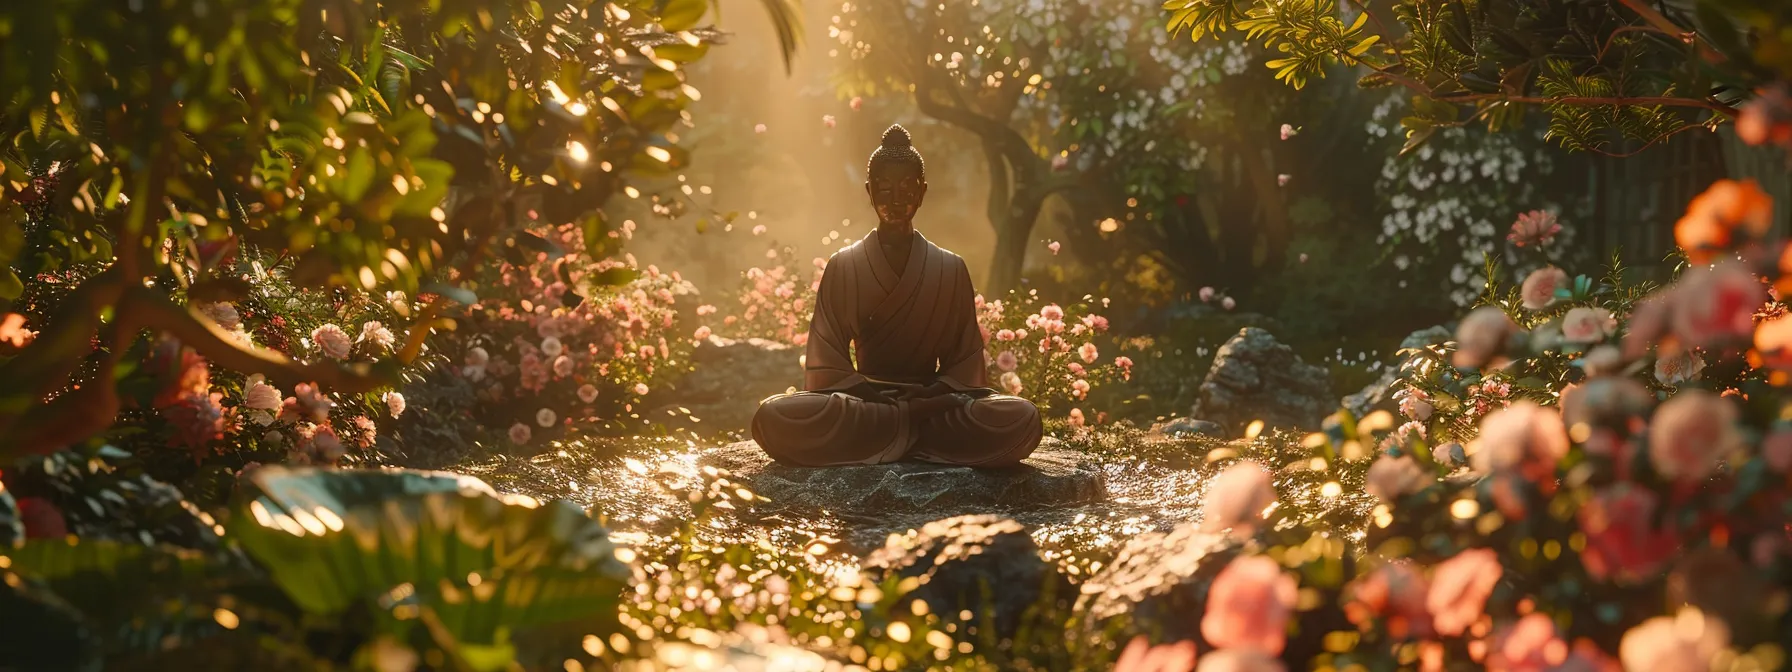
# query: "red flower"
(42, 519)
(1622, 542)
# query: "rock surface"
(1190, 427)
(1256, 377)
(1158, 581)
(1053, 476)
(985, 564)
(1379, 395)
(728, 380)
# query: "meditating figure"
(894, 368)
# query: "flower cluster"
(775, 303)
(1046, 352)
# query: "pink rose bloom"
(1007, 361)
(983, 331)
(1095, 322)
(1683, 643)
(1005, 335)
(1089, 353)
(1248, 606)
(1530, 645)
(1523, 438)
(1776, 450)
(1622, 542)
(1534, 228)
(1588, 325)
(1238, 498)
(1228, 303)
(799, 339)
(1053, 246)
(587, 393)
(1540, 287)
(1239, 660)
(1714, 305)
(1206, 294)
(395, 403)
(1395, 593)
(1674, 368)
(1459, 589)
(1081, 387)
(261, 396)
(520, 433)
(1391, 478)
(1482, 337)
(1051, 311)
(1076, 417)
(1141, 656)
(332, 341)
(222, 313)
(563, 366)
(1011, 383)
(1020, 333)
(1415, 404)
(1691, 433)
(641, 389)
(306, 403)
(324, 445)
(377, 334)
(1075, 368)
(1288, 131)
(1123, 362)
(855, 103)
(552, 346)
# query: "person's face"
(896, 192)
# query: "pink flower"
(1283, 179)
(1248, 606)
(1459, 589)
(1227, 303)
(758, 128)
(1712, 305)
(1534, 229)
(1682, 643)
(827, 120)
(1005, 335)
(1588, 325)
(1622, 541)
(1767, 119)
(1530, 645)
(1691, 433)
(546, 417)
(1393, 592)
(323, 445)
(519, 433)
(1239, 660)
(1051, 311)
(1074, 368)
(1481, 338)
(1523, 438)
(1776, 450)
(261, 396)
(477, 357)
(1540, 287)
(552, 346)
(1089, 353)
(1389, 478)
(395, 403)
(332, 341)
(702, 334)
(1011, 383)
(1076, 417)
(1080, 388)
(1006, 361)
(306, 403)
(1206, 294)
(377, 334)
(640, 389)
(563, 366)
(856, 103)
(1288, 131)
(1060, 162)
(1415, 404)
(1141, 656)
(1449, 454)
(587, 393)
(222, 313)
(1095, 322)
(1674, 368)
(759, 229)
(1123, 362)
(1053, 246)
(1238, 498)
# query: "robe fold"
(877, 332)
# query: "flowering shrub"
(1047, 353)
(556, 345)
(775, 303)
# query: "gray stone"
(1256, 377)
(727, 381)
(1054, 476)
(1379, 395)
(1158, 582)
(985, 564)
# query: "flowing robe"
(877, 332)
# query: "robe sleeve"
(962, 362)
(827, 359)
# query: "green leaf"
(459, 294)
(677, 15)
(10, 285)
(396, 540)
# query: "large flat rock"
(1053, 477)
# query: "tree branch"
(146, 308)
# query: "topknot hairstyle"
(895, 148)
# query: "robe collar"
(886, 275)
